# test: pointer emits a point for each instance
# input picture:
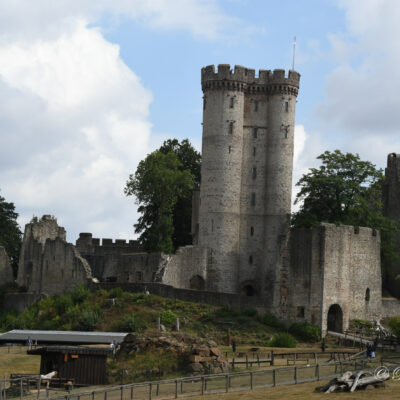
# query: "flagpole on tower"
(294, 51)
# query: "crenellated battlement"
(244, 79)
(86, 240)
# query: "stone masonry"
(391, 206)
(334, 269)
(6, 271)
(48, 264)
(245, 193)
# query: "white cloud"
(74, 118)
(77, 126)
(361, 98)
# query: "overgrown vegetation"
(394, 324)
(282, 340)
(83, 309)
(305, 331)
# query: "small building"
(83, 365)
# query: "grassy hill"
(137, 312)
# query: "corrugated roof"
(71, 349)
(18, 335)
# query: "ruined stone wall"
(334, 265)
(391, 196)
(48, 264)
(6, 271)
(187, 269)
(390, 307)
(119, 260)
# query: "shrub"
(89, 319)
(168, 317)
(79, 294)
(282, 340)
(115, 292)
(250, 312)
(62, 303)
(242, 319)
(306, 331)
(131, 323)
(394, 324)
(272, 321)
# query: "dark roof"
(71, 349)
(74, 337)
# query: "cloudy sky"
(89, 87)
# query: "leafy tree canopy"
(345, 190)
(158, 183)
(10, 234)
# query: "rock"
(196, 367)
(215, 351)
(369, 387)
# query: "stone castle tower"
(247, 160)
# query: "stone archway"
(248, 290)
(335, 318)
(197, 283)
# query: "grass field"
(305, 391)
(17, 361)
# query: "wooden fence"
(206, 384)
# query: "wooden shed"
(85, 365)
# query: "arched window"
(367, 295)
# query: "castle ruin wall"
(6, 271)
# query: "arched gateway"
(335, 318)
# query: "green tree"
(158, 183)
(345, 190)
(182, 215)
(10, 234)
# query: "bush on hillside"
(394, 324)
(130, 323)
(168, 317)
(306, 331)
(271, 321)
(282, 340)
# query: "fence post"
(274, 377)
(317, 372)
(181, 386)
(105, 395)
(233, 363)
(122, 392)
(251, 381)
(272, 357)
(258, 360)
(202, 385)
(21, 389)
(247, 361)
(227, 383)
(150, 391)
(132, 388)
(176, 388)
(93, 395)
(295, 375)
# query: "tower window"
(230, 129)
(254, 174)
(256, 106)
(254, 151)
(204, 102)
(367, 295)
(286, 130)
(250, 260)
(286, 106)
(230, 149)
(253, 199)
(231, 102)
(255, 132)
(251, 230)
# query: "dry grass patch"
(305, 391)
(17, 361)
